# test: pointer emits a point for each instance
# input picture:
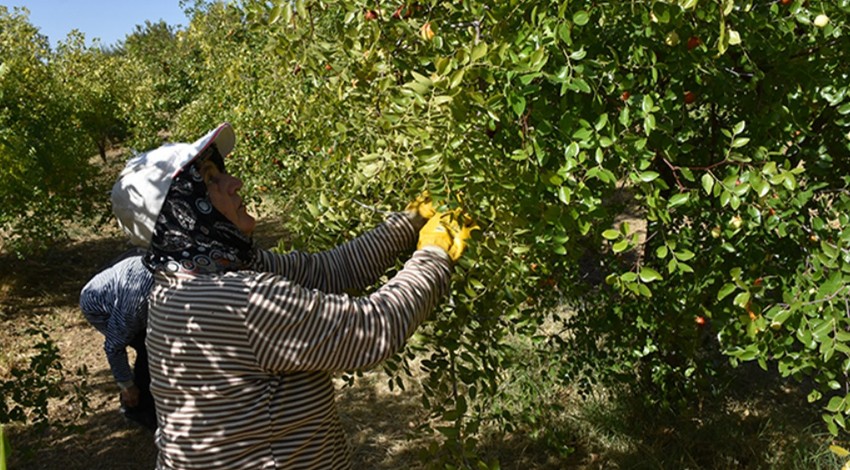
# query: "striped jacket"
(241, 362)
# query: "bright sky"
(109, 20)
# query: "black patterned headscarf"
(192, 236)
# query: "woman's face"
(222, 189)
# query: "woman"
(242, 342)
(115, 302)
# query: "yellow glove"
(446, 231)
(421, 210)
(434, 233)
(460, 233)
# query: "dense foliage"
(675, 172)
(42, 154)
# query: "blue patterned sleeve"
(115, 302)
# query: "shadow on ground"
(103, 440)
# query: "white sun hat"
(140, 191)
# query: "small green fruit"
(736, 222)
(672, 38)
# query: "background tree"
(43, 151)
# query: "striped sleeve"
(293, 328)
(354, 265)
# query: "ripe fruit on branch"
(699, 320)
(690, 97)
(370, 15)
(426, 32)
(406, 11)
(693, 42)
(625, 96)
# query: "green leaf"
(611, 234)
(275, 13)
(684, 255)
(735, 202)
(629, 277)
(725, 197)
(760, 186)
(678, 199)
(739, 127)
(648, 176)
(601, 122)
(581, 18)
(836, 404)
(648, 274)
(649, 124)
(564, 194)
(647, 104)
(571, 150)
(831, 286)
(724, 291)
(457, 78)
(579, 84)
(448, 431)
(476, 284)
(821, 331)
(830, 425)
(578, 55)
(478, 51)
(442, 99)
(621, 245)
(417, 87)
(518, 105)
(780, 316)
(740, 142)
(707, 181)
(790, 181)
(419, 78)
(742, 299)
